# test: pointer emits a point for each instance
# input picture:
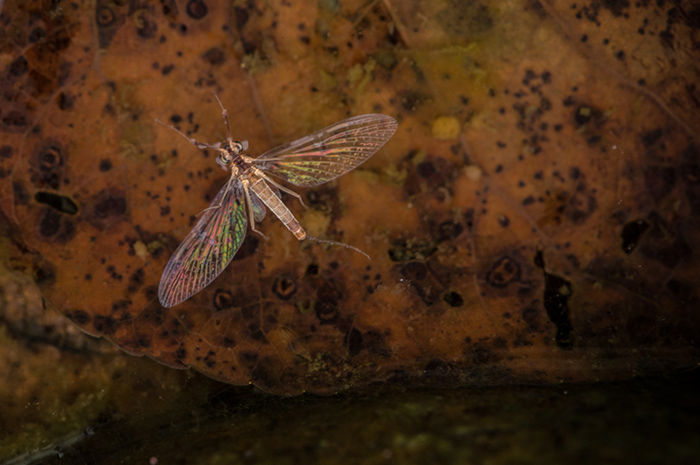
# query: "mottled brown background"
(534, 219)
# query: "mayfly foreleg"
(281, 187)
(221, 201)
(199, 145)
(224, 113)
(249, 205)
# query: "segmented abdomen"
(276, 206)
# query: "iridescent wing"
(207, 249)
(330, 152)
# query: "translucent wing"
(258, 207)
(330, 152)
(207, 249)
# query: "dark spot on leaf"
(328, 297)
(50, 158)
(151, 292)
(414, 271)
(65, 101)
(105, 16)
(214, 56)
(538, 260)
(123, 304)
(649, 138)
(45, 274)
(146, 28)
(197, 9)
(583, 114)
(223, 299)
(53, 225)
(249, 358)
(581, 205)
(311, 270)
(36, 35)
(354, 342)
(411, 100)
(58, 202)
(425, 169)
(105, 165)
(449, 230)
(631, 234)
(79, 316)
(109, 208)
(153, 315)
(21, 195)
(181, 353)
(592, 140)
(135, 281)
(284, 286)
(6, 151)
(18, 67)
(241, 15)
(616, 7)
(255, 332)
(15, 118)
(104, 324)
(453, 299)
(504, 272)
(557, 292)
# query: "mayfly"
(309, 161)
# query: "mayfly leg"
(281, 187)
(251, 213)
(215, 207)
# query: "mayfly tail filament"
(347, 246)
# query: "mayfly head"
(229, 151)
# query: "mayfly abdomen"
(276, 206)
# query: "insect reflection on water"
(309, 161)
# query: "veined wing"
(207, 249)
(330, 152)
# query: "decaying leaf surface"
(533, 219)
